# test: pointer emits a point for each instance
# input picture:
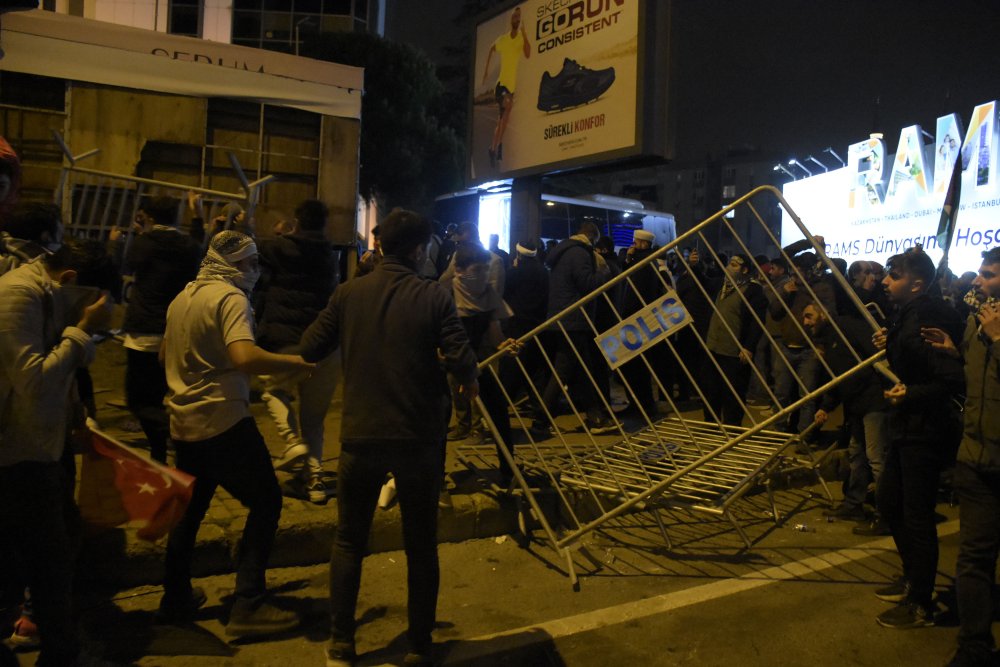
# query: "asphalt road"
(798, 598)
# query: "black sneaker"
(254, 620)
(846, 512)
(907, 616)
(897, 591)
(340, 655)
(572, 86)
(874, 528)
(541, 431)
(414, 659)
(972, 656)
(458, 433)
(180, 612)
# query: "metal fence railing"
(94, 202)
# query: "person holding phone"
(42, 346)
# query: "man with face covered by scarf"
(209, 353)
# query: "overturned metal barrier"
(656, 458)
(94, 202)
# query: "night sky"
(796, 76)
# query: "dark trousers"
(906, 496)
(40, 523)
(145, 387)
(517, 381)
(238, 461)
(979, 514)
(496, 406)
(719, 396)
(360, 474)
(641, 378)
(692, 355)
(568, 371)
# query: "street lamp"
(795, 163)
(825, 168)
(781, 167)
(298, 24)
(832, 152)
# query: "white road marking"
(483, 645)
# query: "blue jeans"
(866, 453)
(314, 393)
(979, 515)
(362, 469)
(805, 367)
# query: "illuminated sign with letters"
(881, 204)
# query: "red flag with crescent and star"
(119, 485)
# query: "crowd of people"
(767, 332)
(406, 338)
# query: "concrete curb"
(305, 536)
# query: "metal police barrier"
(94, 202)
(688, 327)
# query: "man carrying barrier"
(921, 419)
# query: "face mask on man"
(247, 280)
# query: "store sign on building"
(880, 204)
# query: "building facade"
(264, 24)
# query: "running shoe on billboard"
(573, 86)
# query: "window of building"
(185, 18)
(729, 191)
(285, 25)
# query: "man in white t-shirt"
(511, 45)
(209, 352)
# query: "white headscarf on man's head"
(225, 249)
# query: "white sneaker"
(291, 457)
(316, 490)
(388, 494)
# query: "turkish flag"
(119, 485)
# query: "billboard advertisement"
(881, 203)
(554, 83)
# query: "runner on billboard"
(510, 45)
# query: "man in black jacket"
(923, 427)
(391, 326)
(646, 286)
(575, 273)
(300, 272)
(161, 260)
(527, 293)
